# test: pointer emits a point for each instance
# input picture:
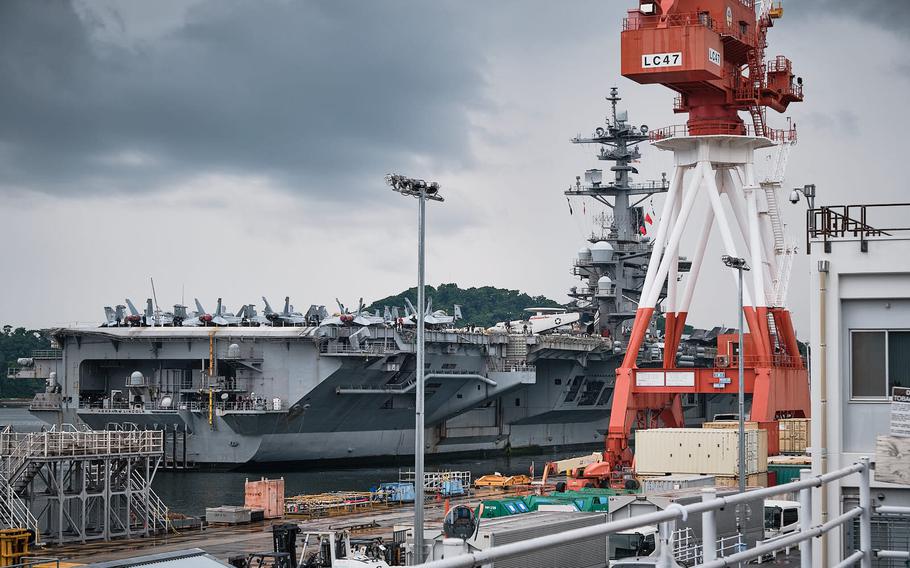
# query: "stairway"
(14, 513)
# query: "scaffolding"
(72, 485)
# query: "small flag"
(642, 230)
(648, 219)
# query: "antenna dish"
(644, 129)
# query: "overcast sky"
(237, 149)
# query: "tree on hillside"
(484, 306)
(16, 343)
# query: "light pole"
(739, 264)
(422, 190)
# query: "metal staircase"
(14, 513)
(46, 475)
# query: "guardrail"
(841, 222)
(708, 507)
(722, 128)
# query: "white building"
(860, 349)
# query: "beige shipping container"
(794, 435)
(729, 425)
(753, 480)
(697, 450)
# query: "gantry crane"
(711, 52)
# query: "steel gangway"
(69, 484)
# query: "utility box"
(696, 450)
(265, 494)
(227, 515)
(749, 516)
(588, 553)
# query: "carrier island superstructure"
(289, 387)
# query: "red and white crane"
(711, 52)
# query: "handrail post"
(709, 527)
(865, 520)
(805, 524)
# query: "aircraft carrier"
(231, 389)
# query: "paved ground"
(224, 542)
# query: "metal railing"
(712, 556)
(274, 404)
(836, 222)
(14, 513)
(17, 449)
(690, 19)
(722, 128)
(778, 360)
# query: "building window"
(517, 402)
(557, 381)
(879, 360)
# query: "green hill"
(15, 343)
(484, 306)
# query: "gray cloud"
(313, 95)
(892, 15)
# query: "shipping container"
(794, 435)
(664, 483)
(729, 425)
(698, 451)
(786, 473)
(753, 480)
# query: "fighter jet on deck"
(437, 318)
(345, 317)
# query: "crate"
(770, 427)
(795, 435)
(265, 494)
(699, 451)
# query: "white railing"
(710, 504)
(14, 513)
(17, 449)
(156, 512)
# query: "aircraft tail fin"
(287, 306)
(110, 315)
(268, 308)
(457, 312)
(133, 310)
(218, 308)
(149, 312)
(199, 307)
(409, 307)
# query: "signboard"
(900, 412)
(652, 60)
(649, 379)
(681, 378)
(892, 459)
(713, 56)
